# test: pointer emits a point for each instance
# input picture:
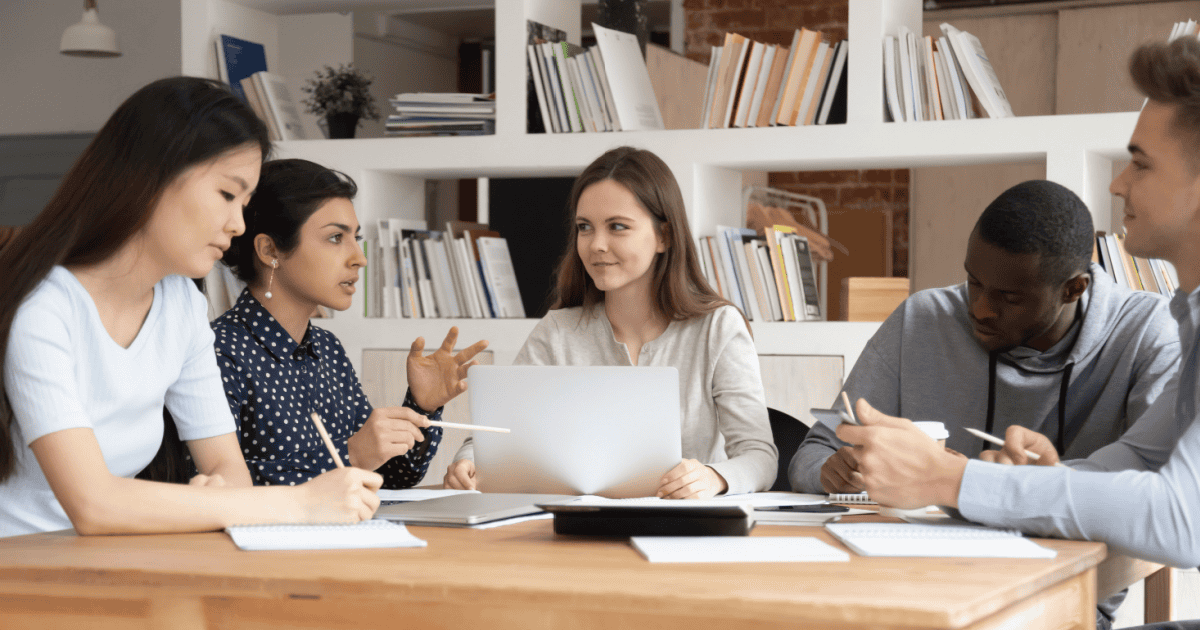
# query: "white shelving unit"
(1078, 152)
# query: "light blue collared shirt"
(1140, 495)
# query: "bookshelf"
(1078, 151)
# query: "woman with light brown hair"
(630, 292)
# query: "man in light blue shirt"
(1140, 494)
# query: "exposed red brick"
(877, 177)
(738, 18)
(826, 177)
(902, 176)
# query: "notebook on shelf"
(908, 540)
(370, 534)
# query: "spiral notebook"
(363, 535)
(858, 498)
(936, 541)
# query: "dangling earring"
(271, 280)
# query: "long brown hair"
(108, 195)
(680, 290)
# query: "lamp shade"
(89, 38)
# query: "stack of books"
(751, 84)
(464, 271)
(771, 278)
(442, 114)
(947, 79)
(1133, 272)
(1182, 29)
(602, 88)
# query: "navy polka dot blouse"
(274, 384)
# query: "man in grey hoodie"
(1038, 337)
(1140, 494)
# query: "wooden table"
(522, 576)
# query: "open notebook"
(363, 535)
(936, 541)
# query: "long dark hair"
(288, 193)
(109, 193)
(680, 289)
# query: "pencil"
(995, 440)
(337, 459)
(468, 427)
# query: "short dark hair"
(288, 193)
(1044, 218)
(1170, 74)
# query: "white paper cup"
(935, 430)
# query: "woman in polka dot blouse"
(301, 250)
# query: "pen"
(337, 459)
(468, 427)
(995, 440)
(850, 417)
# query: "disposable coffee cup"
(935, 430)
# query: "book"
(891, 82)
(775, 249)
(714, 63)
(911, 540)
(371, 534)
(791, 267)
(945, 97)
(958, 82)
(258, 104)
(281, 106)
(237, 59)
(836, 88)
(904, 75)
(807, 279)
(979, 72)
(729, 56)
(745, 98)
(537, 103)
(771, 94)
(728, 265)
(497, 265)
(544, 123)
(801, 66)
(811, 85)
(570, 103)
(555, 82)
(737, 68)
(787, 72)
(761, 296)
(629, 80)
(930, 72)
(766, 271)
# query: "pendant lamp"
(89, 38)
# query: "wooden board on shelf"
(872, 299)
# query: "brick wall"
(847, 194)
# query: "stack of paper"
(736, 549)
(442, 114)
(935, 541)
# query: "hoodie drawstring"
(1062, 409)
(991, 408)
(1060, 443)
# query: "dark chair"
(787, 433)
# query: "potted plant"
(342, 97)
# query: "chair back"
(787, 432)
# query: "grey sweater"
(1145, 507)
(723, 407)
(925, 364)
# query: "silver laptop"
(605, 430)
(470, 508)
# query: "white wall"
(308, 43)
(45, 91)
(412, 59)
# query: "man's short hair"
(1170, 74)
(1044, 218)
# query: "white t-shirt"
(62, 371)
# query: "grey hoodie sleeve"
(875, 377)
